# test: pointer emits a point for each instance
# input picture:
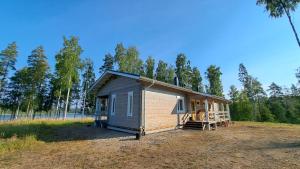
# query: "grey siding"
(120, 87)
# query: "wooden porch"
(204, 113)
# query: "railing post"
(228, 111)
(206, 110)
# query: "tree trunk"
(292, 25)
(67, 101)
(17, 112)
(27, 110)
(75, 109)
(84, 98)
(58, 103)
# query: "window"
(113, 104)
(180, 104)
(130, 104)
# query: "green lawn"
(17, 135)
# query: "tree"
(170, 74)
(196, 80)
(120, 56)
(182, 71)
(275, 90)
(18, 89)
(150, 62)
(108, 63)
(88, 79)
(251, 86)
(298, 75)
(244, 76)
(161, 71)
(213, 74)
(133, 63)
(75, 95)
(128, 60)
(233, 93)
(277, 8)
(68, 64)
(294, 90)
(38, 69)
(8, 58)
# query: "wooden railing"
(185, 117)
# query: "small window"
(180, 105)
(113, 104)
(130, 104)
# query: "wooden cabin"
(136, 104)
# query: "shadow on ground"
(53, 132)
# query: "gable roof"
(109, 73)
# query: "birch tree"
(68, 65)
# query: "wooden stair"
(199, 125)
(193, 125)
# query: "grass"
(268, 124)
(18, 135)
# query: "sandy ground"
(238, 146)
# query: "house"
(136, 104)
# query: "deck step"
(197, 125)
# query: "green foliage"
(68, 63)
(277, 8)
(196, 80)
(213, 74)
(233, 93)
(128, 60)
(252, 104)
(150, 63)
(88, 79)
(183, 70)
(275, 90)
(108, 63)
(8, 59)
(162, 71)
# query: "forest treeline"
(36, 89)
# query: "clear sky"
(224, 33)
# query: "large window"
(180, 105)
(130, 104)
(113, 104)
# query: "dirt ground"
(242, 145)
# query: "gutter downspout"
(142, 124)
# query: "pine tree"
(18, 89)
(233, 93)
(213, 74)
(277, 8)
(275, 90)
(108, 63)
(88, 79)
(150, 62)
(38, 69)
(294, 90)
(8, 59)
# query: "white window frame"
(113, 104)
(183, 104)
(130, 105)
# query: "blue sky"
(224, 33)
